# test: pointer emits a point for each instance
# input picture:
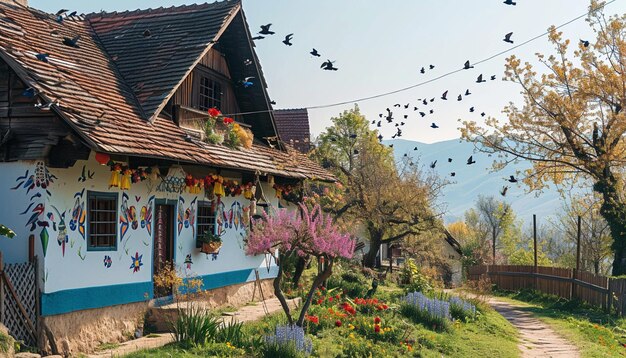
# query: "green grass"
(107, 346)
(595, 333)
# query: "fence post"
(575, 271)
(535, 250)
(609, 299)
(31, 247)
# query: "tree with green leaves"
(571, 125)
(390, 203)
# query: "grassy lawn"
(594, 332)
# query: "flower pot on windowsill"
(211, 247)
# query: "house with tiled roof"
(130, 141)
(292, 126)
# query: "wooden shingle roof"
(119, 115)
(293, 127)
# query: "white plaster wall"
(16, 198)
(79, 268)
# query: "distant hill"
(472, 180)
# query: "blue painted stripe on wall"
(94, 297)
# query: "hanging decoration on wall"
(188, 262)
(107, 261)
(288, 192)
(173, 182)
(221, 217)
(193, 186)
(180, 217)
(116, 170)
(136, 265)
(122, 176)
(79, 214)
(103, 158)
(62, 236)
(146, 215)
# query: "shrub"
(461, 309)
(194, 327)
(430, 312)
(288, 338)
(221, 350)
(283, 350)
(414, 279)
(352, 284)
(232, 332)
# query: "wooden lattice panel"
(22, 276)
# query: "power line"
(403, 89)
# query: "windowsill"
(102, 249)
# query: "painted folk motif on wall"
(186, 217)
(129, 218)
(39, 179)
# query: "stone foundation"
(83, 331)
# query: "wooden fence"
(600, 291)
(19, 300)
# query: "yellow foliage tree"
(571, 125)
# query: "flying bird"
(470, 160)
(449, 160)
(434, 126)
(247, 82)
(493, 77)
(431, 67)
(71, 41)
(42, 57)
(432, 111)
(507, 38)
(585, 43)
(504, 190)
(415, 108)
(471, 109)
(328, 65)
(423, 70)
(397, 105)
(509, 2)
(482, 114)
(353, 136)
(315, 53)
(459, 98)
(480, 79)
(406, 116)
(467, 65)
(287, 40)
(425, 102)
(452, 174)
(380, 137)
(406, 106)
(414, 148)
(265, 30)
(422, 114)
(257, 38)
(445, 95)
(433, 164)
(467, 92)
(512, 179)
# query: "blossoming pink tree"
(305, 232)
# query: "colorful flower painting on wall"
(128, 217)
(188, 262)
(79, 214)
(136, 265)
(146, 215)
(107, 261)
(233, 218)
(186, 217)
(62, 236)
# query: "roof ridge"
(160, 11)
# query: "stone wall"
(84, 331)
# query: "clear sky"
(380, 46)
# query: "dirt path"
(537, 338)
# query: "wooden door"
(163, 244)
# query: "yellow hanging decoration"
(114, 182)
(218, 186)
(125, 182)
(247, 192)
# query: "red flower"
(319, 302)
(377, 320)
(214, 112)
(228, 120)
(376, 328)
(338, 323)
(330, 299)
(385, 306)
(313, 319)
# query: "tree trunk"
(279, 293)
(613, 210)
(493, 241)
(323, 276)
(369, 259)
(300, 266)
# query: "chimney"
(19, 2)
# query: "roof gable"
(293, 127)
(155, 50)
